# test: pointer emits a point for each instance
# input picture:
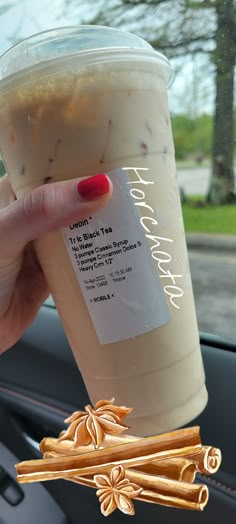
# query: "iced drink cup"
(75, 102)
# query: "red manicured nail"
(93, 187)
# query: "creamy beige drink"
(120, 279)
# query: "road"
(195, 181)
(214, 277)
(213, 273)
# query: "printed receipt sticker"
(109, 252)
(159, 469)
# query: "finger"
(6, 193)
(24, 304)
(51, 207)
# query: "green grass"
(209, 219)
(2, 168)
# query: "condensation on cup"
(76, 102)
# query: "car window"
(198, 37)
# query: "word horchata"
(163, 258)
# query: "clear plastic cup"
(76, 102)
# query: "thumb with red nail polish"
(47, 208)
(51, 207)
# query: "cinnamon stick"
(176, 468)
(156, 498)
(208, 460)
(64, 467)
(164, 486)
(166, 443)
(177, 443)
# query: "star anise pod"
(93, 424)
(116, 491)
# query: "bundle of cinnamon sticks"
(159, 469)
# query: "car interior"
(40, 385)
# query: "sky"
(192, 88)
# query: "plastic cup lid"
(91, 44)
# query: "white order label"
(115, 270)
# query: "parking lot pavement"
(195, 181)
(214, 284)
